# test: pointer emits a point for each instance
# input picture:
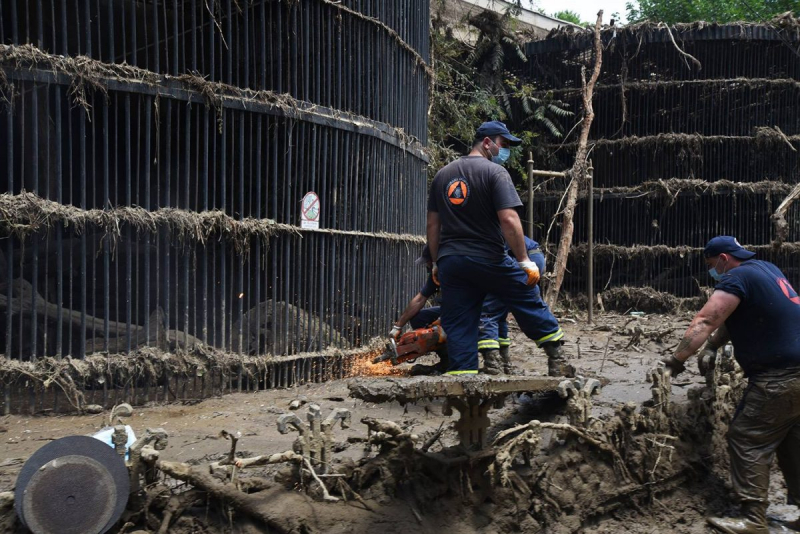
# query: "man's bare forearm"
(433, 228)
(512, 232)
(713, 315)
(719, 338)
(693, 339)
(413, 308)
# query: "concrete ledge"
(412, 389)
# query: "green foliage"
(570, 16)
(672, 11)
(477, 83)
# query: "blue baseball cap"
(725, 244)
(493, 128)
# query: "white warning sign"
(309, 211)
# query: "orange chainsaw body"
(413, 344)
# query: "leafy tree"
(672, 11)
(476, 83)
(570, 16)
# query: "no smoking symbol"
(310, 207)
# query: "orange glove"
(435, 274)
(532, 270)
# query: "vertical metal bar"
(530, 194)
(590, 242)
(204, 257)
(148, 114)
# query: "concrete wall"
(534, 25)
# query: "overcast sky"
(587, 9)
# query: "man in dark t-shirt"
(755, 307)
(471, 217)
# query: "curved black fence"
(156, 155)
(694, 136)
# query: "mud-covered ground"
(618, 350)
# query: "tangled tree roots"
(539, 476)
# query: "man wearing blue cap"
(759, 312)
(471, 216)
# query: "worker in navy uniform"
(418, 316)
(755, 307)
(493, 340)
(471, 217)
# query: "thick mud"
(641, 456)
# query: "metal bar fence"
(111, 170)
(680, 154)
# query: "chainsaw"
(411, 345)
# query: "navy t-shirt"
(467, 194)
(765, 326)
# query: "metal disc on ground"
(75, 484)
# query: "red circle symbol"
(788, 290)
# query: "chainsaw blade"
(389, 354)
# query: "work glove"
(707, 359)
(395, 331)
(674, 365)
(435, 274)
(532, 270)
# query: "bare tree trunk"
(578, 171)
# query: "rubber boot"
(492, 362)
(439, 368)
(556, 360)
(505, 357)
(753, 520)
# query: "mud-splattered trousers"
(493, 330)
(465, 282)
(767, 422)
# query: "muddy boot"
(505, 357)
(556, 360)
(753, 521)
(492, 362)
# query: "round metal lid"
(75, 484)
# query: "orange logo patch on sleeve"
(457, 191)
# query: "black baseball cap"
(725, 244)
(493, 128)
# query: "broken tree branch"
(579, 168)
(780, 225)
(325, 495)
(252, 505)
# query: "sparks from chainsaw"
(413, 344)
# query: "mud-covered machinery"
(81, 484)
(413, 344)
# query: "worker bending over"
(761, 314)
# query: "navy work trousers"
(493, 330)
(425, 317)
(465, 282)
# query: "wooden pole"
(530, 194)
(578, 171)
(590, 242)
